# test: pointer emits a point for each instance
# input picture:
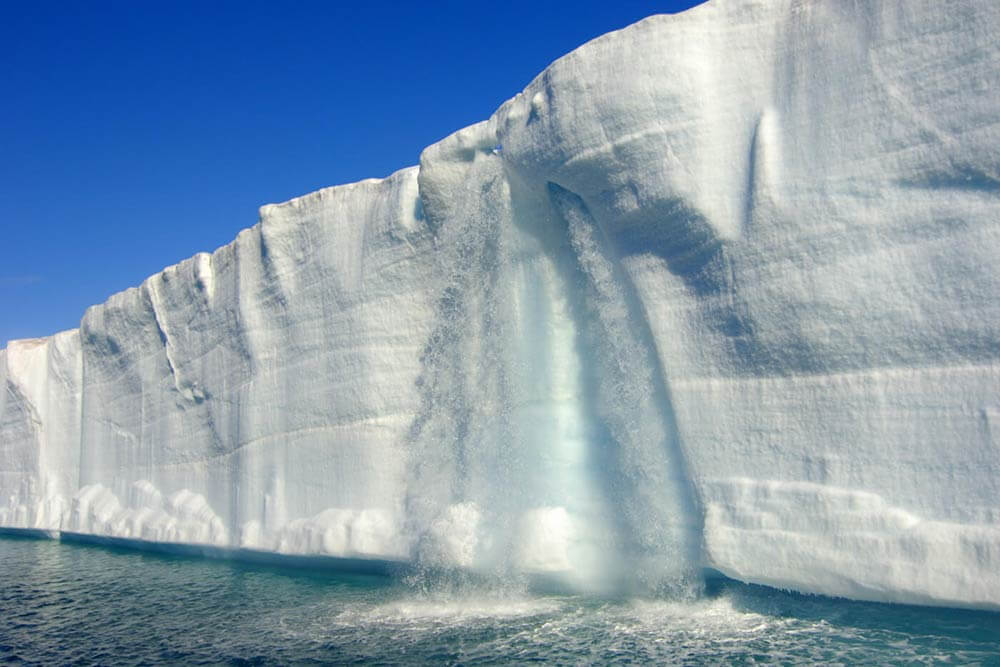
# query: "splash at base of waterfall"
(68, 603)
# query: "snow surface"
(720, 289)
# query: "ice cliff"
(719, 289)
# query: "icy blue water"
(68, 603)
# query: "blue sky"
(135, 134)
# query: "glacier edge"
(718, 289)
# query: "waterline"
(66, 602)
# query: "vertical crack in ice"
(153, 296)
(753, 175)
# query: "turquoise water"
(67, 603)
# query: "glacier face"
(719, 289)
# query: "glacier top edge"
(695, 12)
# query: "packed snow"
(716, 290)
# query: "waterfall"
(545, 443)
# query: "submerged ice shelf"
(727, 296)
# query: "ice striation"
(716, 290)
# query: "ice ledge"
(847, 543)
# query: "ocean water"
(64, 603)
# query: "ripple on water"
(64, 603)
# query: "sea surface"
(63, 603)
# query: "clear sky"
(135, 134)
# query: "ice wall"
(719, 289)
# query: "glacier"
(717, 290)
